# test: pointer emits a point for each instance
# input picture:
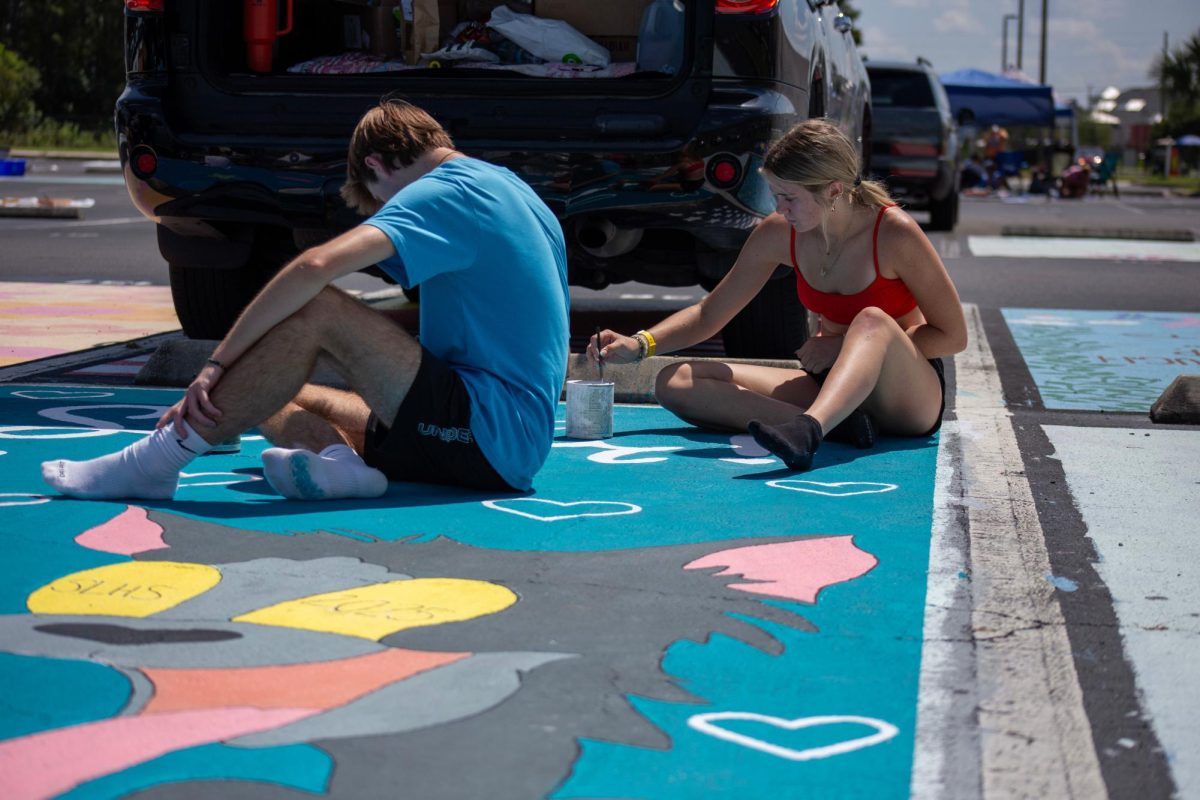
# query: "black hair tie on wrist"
(216, 363)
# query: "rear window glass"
(893, 88)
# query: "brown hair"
(397, 131)
(816, 153)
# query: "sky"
(1091, 44)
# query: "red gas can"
(260, 19)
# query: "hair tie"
(857, 181)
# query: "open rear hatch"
(620, 69)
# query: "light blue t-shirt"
(492, 266)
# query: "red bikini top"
(889, 294)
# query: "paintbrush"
(599, 355)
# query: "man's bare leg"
(378, 358)
(319, 439)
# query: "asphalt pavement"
(1005, 609)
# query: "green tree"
(1178, 72)
(18, 84)
(77, 49)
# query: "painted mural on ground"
(1104, 360)
(667, 614)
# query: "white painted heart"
(532, 512)
(60, 394)
(704, 724)
(842, 489)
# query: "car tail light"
(144, 5)
(912, 149)
(745, 6)
(724, 171)
(143, 161)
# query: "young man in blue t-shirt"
(472, 403)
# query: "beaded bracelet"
(643, 345)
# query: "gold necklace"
(828, 263)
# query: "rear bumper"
(294, 182)
(917, 182)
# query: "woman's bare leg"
(712, 394)
(879, 369)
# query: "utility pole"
(1004, 63)
(1042, 61)
(1020, 34)
(1162, 80)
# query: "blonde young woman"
(887, 311)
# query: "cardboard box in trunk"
(593, 18)
(620, 48)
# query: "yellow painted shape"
(132, 589)
(375, 611)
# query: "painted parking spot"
(39, 320)
(667, 615)
(1090, 249)
(1133, 490)
(1104, 360)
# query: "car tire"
(773, 325)
(943, 214)
(208, 300)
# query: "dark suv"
(236, 145)
(914, 141)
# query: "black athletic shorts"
(938, 366)
(430, 440)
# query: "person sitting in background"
(1075, 180)
(888, 313)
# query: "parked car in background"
(914, 141)
(233, 131)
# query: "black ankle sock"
(795, 442)
(857, 429)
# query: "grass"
(52, 134)
(1186, 183)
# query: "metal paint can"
(589, 409)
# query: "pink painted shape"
(62, 311)
(125, 534)
(792, 570)
(1186, 322)
(30, 352)
(51, 762)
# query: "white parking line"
(1019, 728)
(76, 224)
(1092, 249)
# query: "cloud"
(957, 20)
(880, 44)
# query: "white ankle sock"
(336, 472)
(148, 469)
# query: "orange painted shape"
(319, 685)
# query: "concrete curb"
(176, 362)
(1179, 404)
(107, 155)
(1063, 231)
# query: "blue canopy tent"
(999, 99)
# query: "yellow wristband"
(650, 343)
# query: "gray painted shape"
(617, 611)
(255, 645)
(463, 688)
(266, 581)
